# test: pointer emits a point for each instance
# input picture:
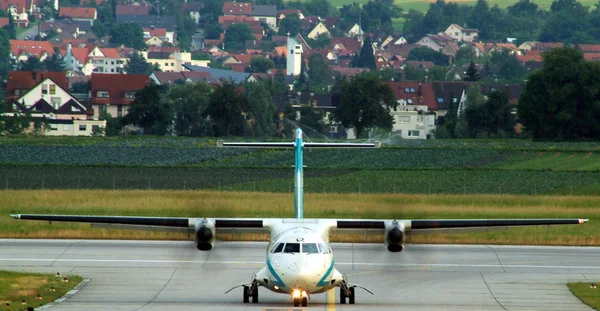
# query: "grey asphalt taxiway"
(173, 275)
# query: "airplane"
(299, 257)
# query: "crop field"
(261, 204)
(423, 5)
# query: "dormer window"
(130, 95)
(102, 94)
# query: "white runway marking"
(264, 262)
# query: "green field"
(587, 294)
(18, 286)
(424, 5)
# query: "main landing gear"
(347, 292)
(251, 291)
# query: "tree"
(213, 31)
(364, 103)
(186, 27)
(493, 118)
(260, 109)
(260, 64)
(424, 53)
(319, 72)
(225, 109)
(4, 52)
(320, 42)
(290, 24)
(54, 63)
(365, 58)
(311, 119)
(137, 64)
(560, 102)
(279, 84)
(31, 64)
(189, 102)
(149, 111)
(10, 28)
(129, 34)
(236, 36)
(472, 73)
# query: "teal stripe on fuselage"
(278, 281)
(323, 281)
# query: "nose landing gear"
(349, 293)
(250, 291)
(300, 298)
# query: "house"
(193, 9)
(20, 50)
(155, 36)
(436, 42)
(237, 9)
(344, 46)
(172, 61)
(167, 22)
(171, 78)
(536, 45)
(319, 29)
(265, 14)
(220, 74)
(283, 13)
(461, 34)
(19, 10)
(79, 14)
(355, 31)
(45, 97)
(113, 94)
(90, 59)
(132, 10)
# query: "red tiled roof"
(243, 58)
(237, 8)
(531, 56)
(158, 32)
(110, 53)
(546, 45)
(591, 56)
(34, 48)
(234, 19)
(4, 21)
(132, 10)
(19, 4)
(593, 48)
(116, 85)
(350, 44)
(420, 64)
(97, 2)
(74, 12)
(81, 54)
(29, 79)
(423, 93)
(250, 22)
(238, 67)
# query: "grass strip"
(586, 293)
(164, 203)
(16, 287)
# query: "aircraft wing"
(169, 224)
(450, 225)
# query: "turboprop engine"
(394, 236)
(204, 234)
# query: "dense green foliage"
(560, 102)
(129, 34)
(137, 64)
(236, 36)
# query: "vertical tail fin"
(298, 146)
(299, 177)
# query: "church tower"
(294, 57)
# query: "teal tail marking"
(299, 177)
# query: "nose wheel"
(349, 293)
(300, 298)
(250, 291)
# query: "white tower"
(294, 57)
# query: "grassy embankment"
(258, 204)
(18, 286)
(588, 295)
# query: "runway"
(173, 275)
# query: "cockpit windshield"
(278, 248)
(310, 248)
(292, 248)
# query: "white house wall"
(59, 98)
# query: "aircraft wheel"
(296, 302)
(342, 296)
(352, 296)
(304, 301)
(255, 296)
(246, 295)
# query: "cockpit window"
(323, 248)
(278, 248)
(292, 248)
(309, 248)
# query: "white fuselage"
(299, 258)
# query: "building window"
(44, 88)
(409, 101)
(82, 127)
(440, 100)
(413, 133)
(404, 119)
(102, 94)
(119, 110)
(52, 89)
(54, 127)
(112, 62)
(56, 102)
(333, 129)
(129, 95)
(172, 64)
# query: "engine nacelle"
(204, 234)
(394, 236)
